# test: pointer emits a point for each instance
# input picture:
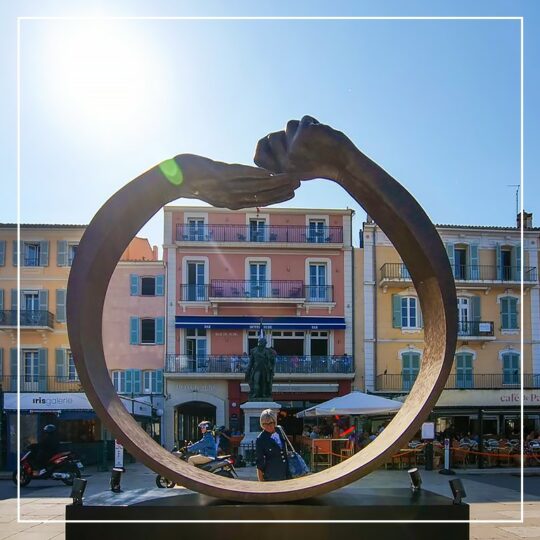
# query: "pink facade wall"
(119, 307)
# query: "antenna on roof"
(517, 186)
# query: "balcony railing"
(29, 319)
(36, 383)
(268, 289)
(475, 329)
(399, 272)
(181, 363)
(263, 233)
(403, 382)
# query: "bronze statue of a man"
(260, 371)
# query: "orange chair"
(321, 453)
(347, 451)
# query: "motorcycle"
(222, 466)
(64, 466)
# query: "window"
(149, 381)
(410, 367)
(196, 229)
(31, 254)
(510, 361)
(460, 268)
(71, 371)
(509, 313)
(31, 366)
(72, 251)
(119, 381)
(196, 290)
(464, 370)
(316, 230)
(148, 286)
(256, 230)
(318, 289)
(257, 280)
(148, 330)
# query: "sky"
(436, 103)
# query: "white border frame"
(248, 18)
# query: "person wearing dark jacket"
(48, 445)
(271, 452)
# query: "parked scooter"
(222, 466)
(64, 466)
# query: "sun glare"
(102, 77)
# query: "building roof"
(42, 226)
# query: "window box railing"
(182, 363)
(262, 233)
(476, 329)
(29, 318)
(37, 383)
(399, 272)
(398, 382)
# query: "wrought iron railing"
(38, 383)
(182, 363)
(398, 271)
(400, 382)
(29, 318)
(262, 233)
(277, 289)
(475, 329)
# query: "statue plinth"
(252, 414)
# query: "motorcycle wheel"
(226, 474)
(73, 473)
(162, 482)
(20, 477)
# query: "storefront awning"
(269, 323)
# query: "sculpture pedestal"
(252, 413)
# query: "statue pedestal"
(252, 427)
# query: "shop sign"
(488, 398)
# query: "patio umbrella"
(355, 403)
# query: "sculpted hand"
(228, 185)
(307, 148)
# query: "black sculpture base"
(359, 504)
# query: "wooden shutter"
(61, 305)
(515, 255)
(15, 251)
(475, 309)
(134, 330)
(129, 381)
(61, 365)
(474, 268)
(512, 313)
(2, 252)
(134, 285)
(160, 285)
(42, 363)
(1, 299)
(160, 330)
(2, 365)
(44, 300)
(44, 253)
(159, 381)
(451, 257)
(13, 369)
(396, 311)
(62, 253)
(14, 299)
(505, 319)
(137, 376)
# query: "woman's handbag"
(297, 466)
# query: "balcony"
(180, 363)
(29, 319)
(231, 290)
(36, 383)
(272, 234)
(476, 330)
(397, 274)
(478, 381)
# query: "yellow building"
(482, 392)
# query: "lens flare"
(172, 171)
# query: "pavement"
(493, 494)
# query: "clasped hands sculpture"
(306, 149)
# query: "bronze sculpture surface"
(304, 150)
(260, 372)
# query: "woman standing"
(272, 463)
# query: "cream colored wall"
(359, 357)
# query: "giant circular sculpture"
(305, 150)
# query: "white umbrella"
(353, 403)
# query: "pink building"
(227, 271)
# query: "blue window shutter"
(134, 330)
(60, 369)
(516, 263)
(2, 364)
(474, 270)
(15, 251)
(512, 315)
(396, 311)
(44, 253)
(1, 299)
(61, 305)
(419, 317)
(129, 381)
(134, 285)
(451, 258)
(13, 369)
(160, 327)
(159, 381)
(160, 285)
(62, 253)
(137, 376)
(505, 308)
(44, 300)
(476, 312)
(2, 252)
(14, 299)
(42, 363)
(498, 262)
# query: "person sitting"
(223, 440)
(48, 445)
(206, 446)
(314, 433)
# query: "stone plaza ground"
(492, 495)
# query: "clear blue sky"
(436, 103)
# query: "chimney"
(155, 252)
(527, 220)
